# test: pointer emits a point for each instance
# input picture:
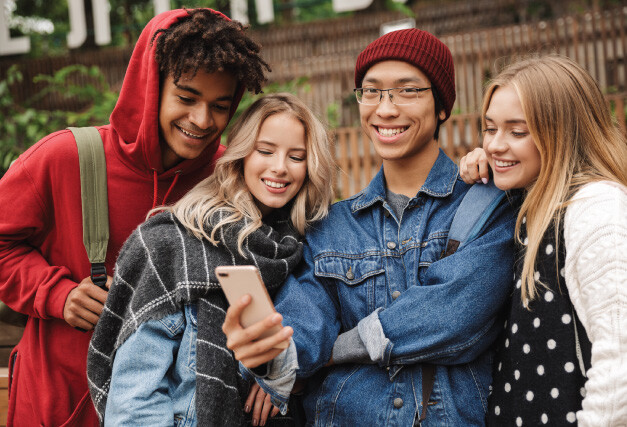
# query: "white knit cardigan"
(595, 232)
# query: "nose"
(279, 165)
(494, 143)
(386, 108)
(200, 116)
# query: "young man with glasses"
(375, 299)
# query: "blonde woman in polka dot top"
(562, 356)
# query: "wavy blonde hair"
(578, 140)
(225, 190)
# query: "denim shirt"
(366, 269)
(154, 374)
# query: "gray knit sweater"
(161, 268)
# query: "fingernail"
(255, 422)
(287, 332)
(263, 423)
(276, 318)
(484, 180)
(246, 408)
(477, 181)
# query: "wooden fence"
(358, 163)
(326, 51)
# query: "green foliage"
(400, 7)
(23, 125)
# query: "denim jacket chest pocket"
(357, 278)
(431, 251)
(184, 326)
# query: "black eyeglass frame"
(418, 89)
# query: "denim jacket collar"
(440, 183)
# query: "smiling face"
(276, 169)
(511, 152)
(400, 132)
(193, 113)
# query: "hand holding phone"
(239, 280)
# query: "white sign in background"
(102, 22)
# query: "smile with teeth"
(274, 184)
(390, 131)
(191, 135)
(504, 164)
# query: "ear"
(442, 115)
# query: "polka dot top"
(537, 379)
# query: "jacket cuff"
(371, 333)
(349, 348)
(55, 302)
(280, 377)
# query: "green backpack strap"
(95, 207)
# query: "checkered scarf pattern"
(161, 268)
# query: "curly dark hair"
(206, 41)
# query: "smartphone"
(239, 280)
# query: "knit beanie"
(418, 48)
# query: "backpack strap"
(94, 200)
(472, 214)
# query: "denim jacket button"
(396, 294)
(398, 403)
(391, 245)
(350, 275)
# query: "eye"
(297, 158)
(185, 99)
(490, 131)
(519, 134)
(264, 152)
(409, 90)
(222, 108)
(370, 91)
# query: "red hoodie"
(42, 257)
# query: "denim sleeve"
(139, 393)
(452, 317)
(309, 305)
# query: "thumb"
(109, 282)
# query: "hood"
(135, 117)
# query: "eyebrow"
(198, 93)
(399, 81)
(511, 121)
(263, 141)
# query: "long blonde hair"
(225, 189)
(578, 140)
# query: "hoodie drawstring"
(167, 193)
(155, 187)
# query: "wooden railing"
(461, 133)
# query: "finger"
(484, 173)
(86, 301)
(109, 282)
(258, 406)
(86, 315)
(238, 337)
(275, 411)
(250, 400)
(96, 293)
(260, 358)
(267, 347)
(267, 406)
(77, 321)
(233, 314)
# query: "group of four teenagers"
(367, 300)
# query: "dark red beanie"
(418, 48)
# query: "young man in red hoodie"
(184, 81)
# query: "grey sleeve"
(349, 348)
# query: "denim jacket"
(367, 271)
(154, 374)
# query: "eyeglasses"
(398, 95)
